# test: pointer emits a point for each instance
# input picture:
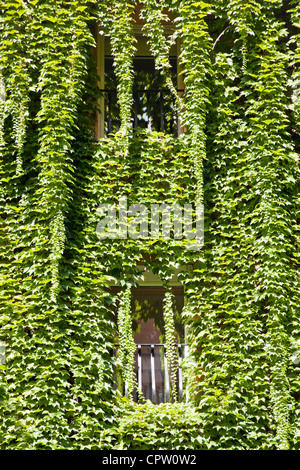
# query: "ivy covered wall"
(239, 156)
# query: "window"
(149, 335)
(153, 107)
(151, 364)
(2, 89)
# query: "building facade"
(149, 222)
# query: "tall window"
(149, 336)
(153, 107)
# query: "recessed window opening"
(148, 325)
(153, 103)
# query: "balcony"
(152, 373)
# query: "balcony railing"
(152, 373)
(153, 109)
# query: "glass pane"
(148, 325)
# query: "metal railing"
(153, 109)
(152, 373)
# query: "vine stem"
(127, 346)
(171, 342)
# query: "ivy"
(195, 49)
(160, 45)
(126, 351)
(243, 187)
(15, 64)
(171, 350)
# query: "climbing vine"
(123, 48)
(126, 351)
(172, 355)
(238, 154)
(160, 44)
(241, 190)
